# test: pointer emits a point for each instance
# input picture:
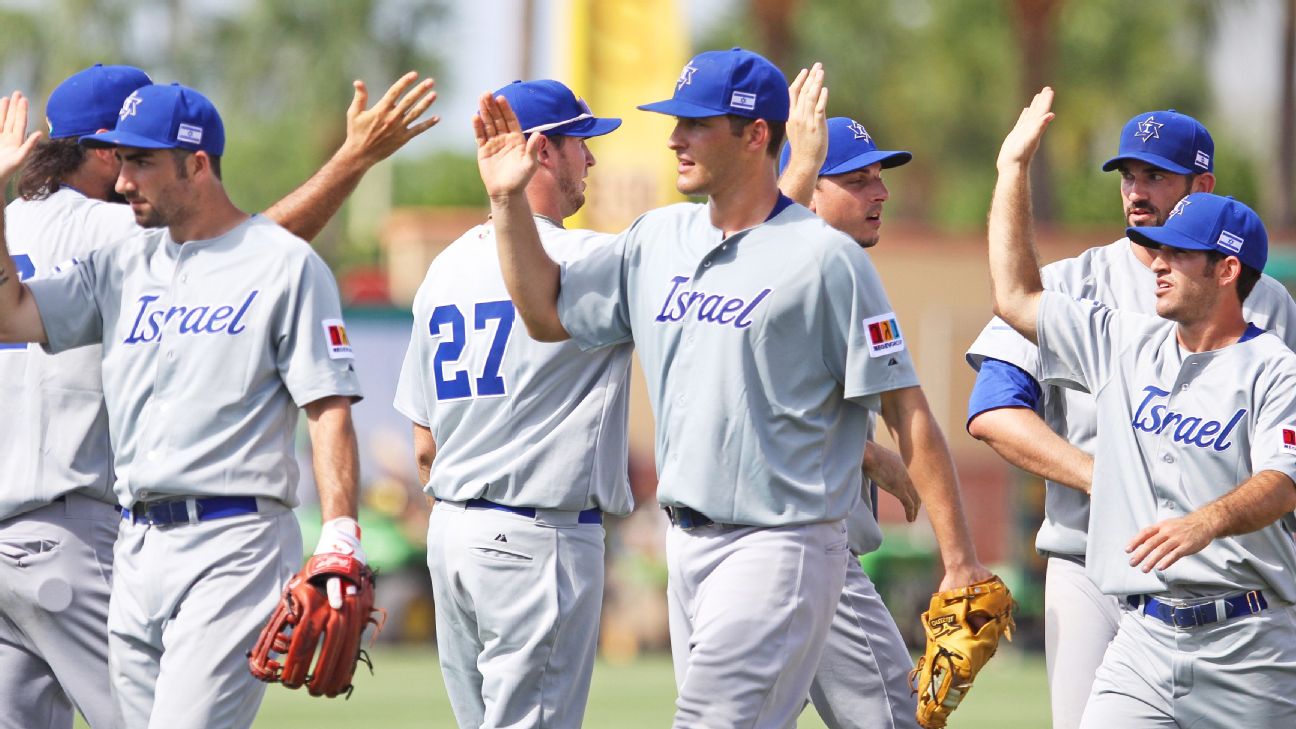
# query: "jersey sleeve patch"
(335, 335)
(1289, 440)
(884, 335)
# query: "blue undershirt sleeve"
(1002, 385)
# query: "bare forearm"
(931, 467)
(424, 452)
(334, 457)
(1258, 502)
(1023, 439)
(1014, 264)
(532, 277)
(306, 210)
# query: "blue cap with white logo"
(1167, 139)
(1204, 221)
(89, 100)
(735, 81)
(165, 117)
(850, 148)
(551, 108)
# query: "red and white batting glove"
(339, 541)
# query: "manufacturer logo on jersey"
(712, 308)
(189, 133)
(1149, 128)
(884, 335)
(1188, 429)
(1289, 440)
(130, 106)
(339, 346)
(859, 131)
(150, 322)
(1203, 160)
(686, 76)
(1229, 241)
(743, 100)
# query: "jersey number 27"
(458, 384)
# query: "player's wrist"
(341, 536)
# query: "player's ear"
(1205, 182)
(544, 150)
(201, 163)
(756, 136)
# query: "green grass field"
(406, 692)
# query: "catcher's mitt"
(305, 622)
(963, 628)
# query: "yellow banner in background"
(619, 54)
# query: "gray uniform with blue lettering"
(519, 423)
(208, 350)
(57, 521)
(1180, 430)
(764, 353)
(1081, 620)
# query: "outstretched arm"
(372, 136)
(931, 467)
(807, 133)
(1258, 502)
(19, 318)
(1023, 439)
(507, 161)
(1014, 265)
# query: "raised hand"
(505, 157)
(15, 143)
(807, 125)
(374, 134)
(1021, 143)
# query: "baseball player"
(215, 327)
(863, 677)
(530, 448)
(1051, 431)
(762, 332)
(59, 520)
(1194, 460)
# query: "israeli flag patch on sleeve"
(335, 337)
(884, 335)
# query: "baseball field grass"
(406, 692)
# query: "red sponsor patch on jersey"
(1289, 439)
(884, 335)
(335, 336)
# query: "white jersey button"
(1168, 458)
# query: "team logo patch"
(1229, 241)
(1203, 160)
(339, 346)
(686, 76)
(859, 131)
(743, 100)
(190, 134)
(130, 106)
(1179, 208)
(884, 335)
(1148, 129)
(1289, 440)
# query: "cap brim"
(124, 139)
(682, 109)
(592, 127)
(888, 159)
(1152, 159)
(1163, 236)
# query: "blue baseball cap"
(551, 108)
(1172, 141)
(89, 100)
(850, 148)
(1204, 221)
(735, 81)
(165, 117)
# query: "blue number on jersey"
(449, 351)
(26, 269)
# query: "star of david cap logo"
(1167, 140)
(859, 131)
(686, 75)
(130, 106)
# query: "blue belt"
(1191, 616)
(162, 513)
(686, 518)
(588, 516)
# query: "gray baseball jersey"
(54, 436)
(1177, 430)
(209, 347)
(758, 360)
(1110, 274)
(516, 421)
